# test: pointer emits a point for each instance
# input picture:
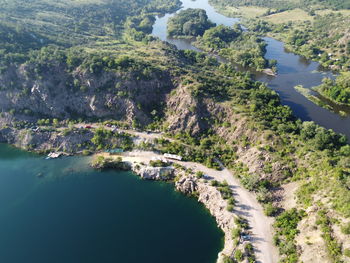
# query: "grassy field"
(244, 11)
(329, 11)
(294, 15)
(289, 16)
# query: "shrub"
(231, 201)
(227, 259)
(158, 163)
(270, 210)
(236, 232)
(230, 208)
(238, 255)
(199, 174)
(214, 183)
(346, 229)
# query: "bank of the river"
(292, 70)
(72, 213)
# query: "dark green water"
(76, 215)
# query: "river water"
(74, 214)
(292, 70)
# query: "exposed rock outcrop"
(190, 185)
(185, 112)
(213, 201)
(42, 141)
(60, 93)
(153, 173)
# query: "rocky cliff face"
(208, 195)
(213, 201)
(52, 90)
(59, 93)
(153, 173)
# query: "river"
(292, 70)
(73, 213)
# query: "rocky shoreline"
(188, 184)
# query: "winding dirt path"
(248, 207)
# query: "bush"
(236, 232)
(214, 183)
(199, 174)
(158, 163)
(231, 201)
(249, 252)
(347, 252)
(270, 210)
(346, 229)
(230, 208)
(286, 229)
(227, 259)
(239, 255)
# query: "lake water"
(292, 70)
(75, 214)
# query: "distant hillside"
(75, 22)
(287, 4)
(31, 25)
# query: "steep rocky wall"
(44, 140)
(213, 201)
(58, 93)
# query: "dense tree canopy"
(189, 22)
(338, 90)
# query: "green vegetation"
(158, 163)
(249, 252)
(106, 139)
(286, 225)
(282, 5)
(244, 48)
(337, 90)
(100, 162)
(31, 25)
(346, 229)
(238, 255)
(313, 31)
(230, 208)
(199, 174)
(334, 249)
(228, 114)
(307, 93)
(189, 23)
(227, 259)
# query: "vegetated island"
(231, 43)
(307, 93)
(336, 90)
(189, 23)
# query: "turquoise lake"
(75, 214)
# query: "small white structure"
(172, 156)
(53, 155)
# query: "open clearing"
(289, 16)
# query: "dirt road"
(248, 207)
